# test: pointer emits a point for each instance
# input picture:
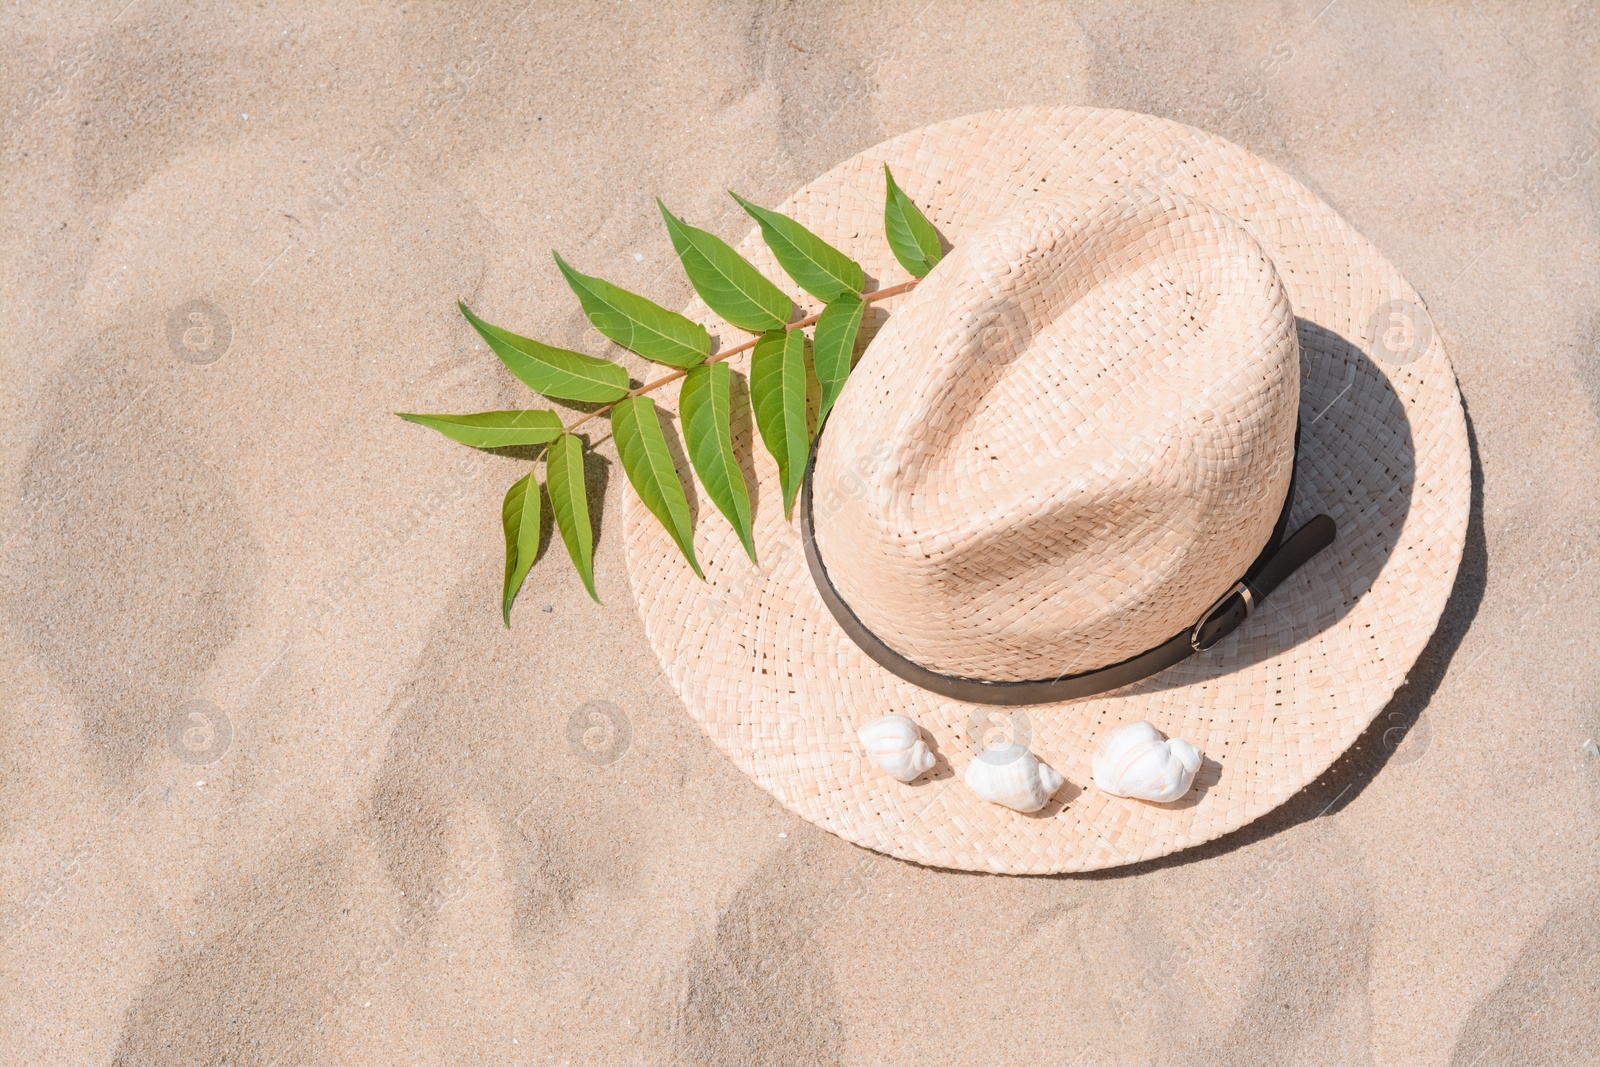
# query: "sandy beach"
(278, 787)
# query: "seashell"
(1011, 775)
(1136, 760)
(896, 745)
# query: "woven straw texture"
(774, 682)
(1089, 412)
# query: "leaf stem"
(647, 387)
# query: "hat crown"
(1073, 437)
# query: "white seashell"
(896, 745)
(1136, 761)
(1011, 775)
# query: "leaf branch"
(650, 387)
(780, 380)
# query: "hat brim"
(773, 680)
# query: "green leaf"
(643, 450)
(555, 372)
(835, 346)
(778, 393)
(912, 238)
(569, 499)
(520, 516)
(725, 280)
(815, 265)
(493, 429)
(637, 324)
(706, 406)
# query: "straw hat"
(1148, 359)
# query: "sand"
(278, 787)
